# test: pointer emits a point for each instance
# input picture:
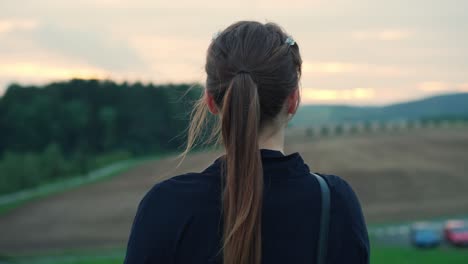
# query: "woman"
(254, 204)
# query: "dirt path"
(397, 177)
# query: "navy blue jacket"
(178, 220)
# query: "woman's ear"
(211, 103)
(293, 102)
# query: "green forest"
(69, 128)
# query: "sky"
(361, 52)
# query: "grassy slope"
(413, 256)
(11, 201)
(379, 255)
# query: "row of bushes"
(20, 171)
(366, 127)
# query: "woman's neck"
(272, 140)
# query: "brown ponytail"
(251, 70)
(242, 197)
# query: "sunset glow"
(351, 52)
(312, 95)
(38, 71)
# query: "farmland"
(403, 175)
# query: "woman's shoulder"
(184, 190)
(164, 211)
(339, 186)
(195, 181)
(347, 207)
(345, 200)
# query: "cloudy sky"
(361, 52)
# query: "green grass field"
(415, 256)
(379, 255)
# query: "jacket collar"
(275, 164)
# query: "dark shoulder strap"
(324, 220)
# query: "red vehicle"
(456, 233)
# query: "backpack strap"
(324, 220)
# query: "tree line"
(69, 125)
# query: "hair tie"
(290, 41)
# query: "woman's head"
(253, 72)
(262, 55)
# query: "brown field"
(398, 176)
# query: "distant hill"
(449, 105)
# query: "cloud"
(11, 25)
(92, 46)
(433, 86)
(326, 95)
(463, 87)
(166, 47)
(329, 67)
(384, 35)
(201, 3)
(344, 45)
(33, 72)
(441, 87)
(337, 67)
(160, 51)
